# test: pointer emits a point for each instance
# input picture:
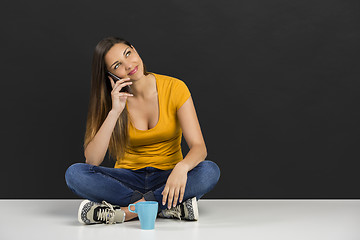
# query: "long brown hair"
(100, 102)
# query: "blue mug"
(147, 212)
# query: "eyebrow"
(118, 61)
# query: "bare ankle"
(130, 215)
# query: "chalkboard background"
(275, 85)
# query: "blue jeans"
(124, 186)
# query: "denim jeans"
(124, 186)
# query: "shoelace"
(175, 212)
(107, 214)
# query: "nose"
(128, 65)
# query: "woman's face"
(124, 61)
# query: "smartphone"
(116, 78)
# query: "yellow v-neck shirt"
(160, 146)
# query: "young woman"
(140, 118)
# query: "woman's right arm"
(96, 149)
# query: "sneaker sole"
(82, 205)
(195, 208)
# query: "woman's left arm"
(175, 185)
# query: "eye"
(127, 54)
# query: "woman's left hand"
(175, 186)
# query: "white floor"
(219, 219)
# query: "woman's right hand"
(119, 98)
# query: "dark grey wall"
(275, 84)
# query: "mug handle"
(132, 210)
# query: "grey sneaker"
(187, 210)
(92, 212)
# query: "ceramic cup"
(147, 212)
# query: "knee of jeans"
(212, 171)
(72, 173)
(215, 170)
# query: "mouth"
(133, 71)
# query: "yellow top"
(160, 146)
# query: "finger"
(176, 197)
(115, 82)
(165, 194)
(182, 192)
(170, 198)
(123, 80)
(123, 94)
(120, 86)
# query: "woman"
(142, 129)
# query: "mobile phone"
(116, 78)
